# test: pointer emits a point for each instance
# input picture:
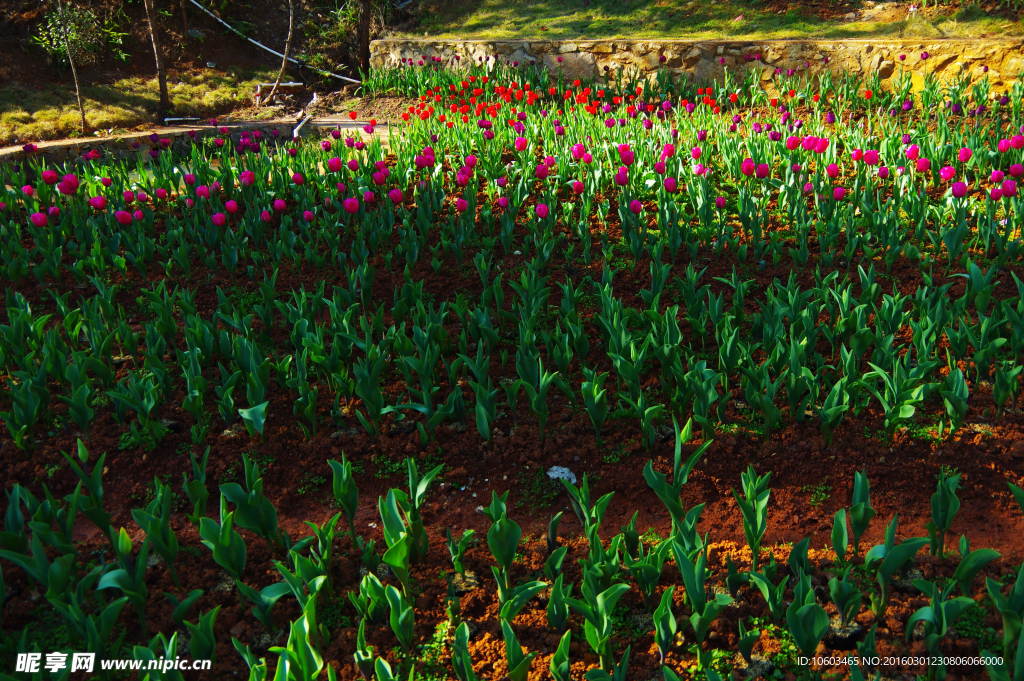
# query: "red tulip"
(39, 219)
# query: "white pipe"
(273, 52)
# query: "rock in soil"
(839, 637)
(905, 584)
(758, 667)
(465, 583)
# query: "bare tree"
(161, 75)
(71, 60)
(364, 37)
(287, 49)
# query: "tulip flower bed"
(289, 405)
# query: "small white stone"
(562, 473)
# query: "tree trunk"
(364, 38)
(287, 50)
(161, 75)
(71, 60)
(184, 22)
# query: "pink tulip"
(351, 205)
(1016, 170)
(190, 178)
(659, 167)
(129, 197)
(520, 144)
(28, 191)
(857, 155)
(219, 219)
(871, 157)
(964, 155)
(503, 202)
(695, 153)
(396, 196)
(821, 146)
(280, 205)
(247, 178)
(808, 188)
(139, 215)
(203, 192)
(1003, 146)
(947, 173)
(720, 202)
(838, 193)
(124, 217)
(298, 179)
(161, 194)
(997, 193)
(98, 202)
(1017, 142)
(142, 198)
(747, 167)
(39, 219)
(671, 185)
(959, 189)
(325, 145)
(542, 172)
(587, 158)
(792, 143)
(883, 173)
(53, 212)
(353, 165)
(50, 177)
(106, 181)
(577, 187)
(913, 151)
(308, 215)
(762, 171)
(189, 203)
(369, 197)
(1009, 188)
(997, 176)
(542, 210)
(832, 171)
(923, 165)
(334, 164)
(461, 205)
(231, 207)
(266, 216)
(471, 161)
(635, 207)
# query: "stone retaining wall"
(707, 61)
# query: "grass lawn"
(682, 19)
(51, 112)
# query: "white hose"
(273, 52)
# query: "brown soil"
(988, 453)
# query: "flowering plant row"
(864, 250)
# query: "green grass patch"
(665, 19)
(51, 112)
